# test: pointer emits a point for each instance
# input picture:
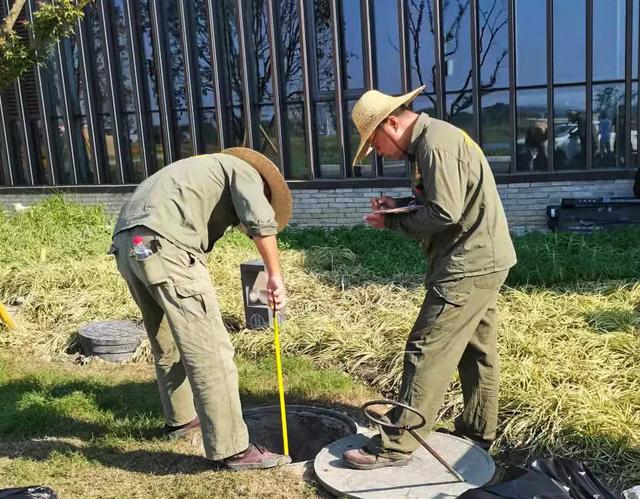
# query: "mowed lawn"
(569, 345)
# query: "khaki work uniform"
(181, 211)
(465, 238)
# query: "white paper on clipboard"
(401, 209)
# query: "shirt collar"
(418, 127)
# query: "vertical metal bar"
(628, 67)
(308, 104)
(97, 151)
(404, 52)
(215, 35)
(114, 91)
(277, 84)
(370, 66)
(437, 46)
(513, 117)
(371, 69)
(158, 33)
(588, 154)
(246, 87)
(192, 83)
(475, 70)
(550, 97)
(139, 95)
(345, 166)
(45, 107)
(5, 138)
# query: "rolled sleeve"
(250, 203)
(444, 181)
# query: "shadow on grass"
(35, 415)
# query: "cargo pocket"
(152, 269)
(454, 292)
(197, 299)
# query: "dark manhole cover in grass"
(309, 428)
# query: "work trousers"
(192, 352)
(456, 327)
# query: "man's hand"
(375, 220)
(383, 203)
(276, 292)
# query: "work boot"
(255, 457)
(173, 432)
(483, 444)
(362, 459)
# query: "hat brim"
(365, 147)
(281, 200)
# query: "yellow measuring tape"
(283, 410)
(6, 318)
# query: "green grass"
(569, 340)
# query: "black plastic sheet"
(31, 492)
(549, 478)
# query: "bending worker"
(161, 239)
(464, 234)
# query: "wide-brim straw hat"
(372, 109)
(280, 201)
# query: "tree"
(25, 43)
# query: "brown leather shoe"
(255, 457)
(362, 459)
(173, 432)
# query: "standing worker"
(464, 235)
(161, 239)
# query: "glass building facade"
(548, 88)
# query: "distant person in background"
(604, 130)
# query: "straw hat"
(371, 110)
(280, 195)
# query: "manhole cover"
(309, 429)
(424, 477)
(113, 341)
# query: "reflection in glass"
(352, 36)
(96, 38)
(125, 76)
(425, 103)
(609, 122)
(456, 28)
(571, 129)
(185, 146)
(158, 148)
(532, 136)
(531, 42)
(203, 54)
(86, 174)
(365, 167)
(298, 168)
(21, 175)
(569, 24)
(64, 170)
(493, 43)
(387, 46)
(291, 52)
(460, 111)
(268, 135)
(110, 150)
(238, 132)
(209, 130)
(261, 52)
(328, 143)
(495, 131)
(324, 45)
(420, 44)
(147, 47)
(608, 39)
(135, 172)
(43, 173)
(234, 111)
(634, 38)
(176, 59)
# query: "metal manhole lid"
(112, 332)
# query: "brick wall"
(524, 203)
